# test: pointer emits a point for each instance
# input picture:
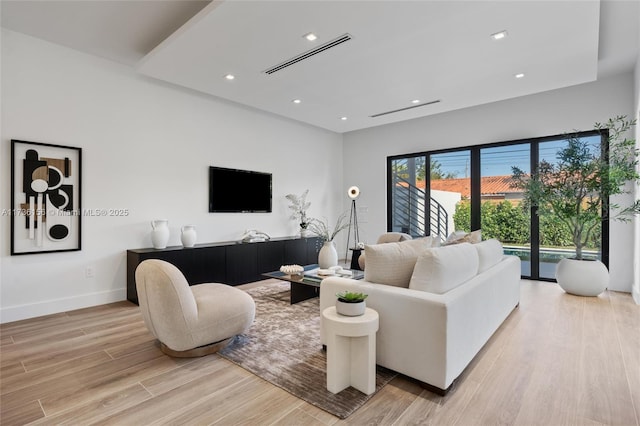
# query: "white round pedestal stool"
(351, 350)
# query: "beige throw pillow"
(441, 269)
(420, 244)
(392, 263)
(458, 237)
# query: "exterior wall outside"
(448, 201)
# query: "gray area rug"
(283, 347)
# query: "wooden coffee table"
(308, 286)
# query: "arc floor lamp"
(353, 193)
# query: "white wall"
(146, 148)
(543, 114)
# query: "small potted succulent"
(351, 304)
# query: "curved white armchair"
(190, 320)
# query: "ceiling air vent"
(308, 54)
(404, 109)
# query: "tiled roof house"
(492, 187)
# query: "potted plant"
(328, 255)
(350, 303)
(577, 192)
(299, 205)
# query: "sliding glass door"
(406, 196)
(501, 214)
(555, 241)
(433, 200)
(450, 190)
(439, 192)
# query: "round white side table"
(351, 350)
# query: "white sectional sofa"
(433, 325)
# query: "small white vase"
(351, 309)
(304, 233)
(582, 277)
(328, 255)
(188, 235)
(159, 233)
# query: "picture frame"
(46, 212)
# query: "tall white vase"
(188, 236)
(159, 233)
(328, 255)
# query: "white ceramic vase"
(304, 233)
(582, 277)
(351, 309)
(159, 233)
(328, 255)
(188, 235)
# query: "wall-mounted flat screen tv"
(239, 191)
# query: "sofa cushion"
(441, 269)
(490, 252)
(420, 243)
(392, 263)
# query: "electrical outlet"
(89, 272)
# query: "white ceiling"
(399, 51)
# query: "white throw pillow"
(490, 252)
(392, 263)
(441, 269)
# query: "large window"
(438, 192)
(501, 215)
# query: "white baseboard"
(48, 307)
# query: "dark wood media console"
(230, 263)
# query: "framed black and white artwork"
(45, 196)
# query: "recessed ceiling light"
(415, 101)
(229, 76)
(296, 101)
(310, 36)
(343, 118)
(499, 36)
(519, 75)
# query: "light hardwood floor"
(557, 360)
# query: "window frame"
(476, 201)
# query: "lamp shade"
(353, 192)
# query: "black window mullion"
(390, 193)
(604, 239)
(535, 220)
(476, 190)
(427, 195)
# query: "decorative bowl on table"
(295, 271)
